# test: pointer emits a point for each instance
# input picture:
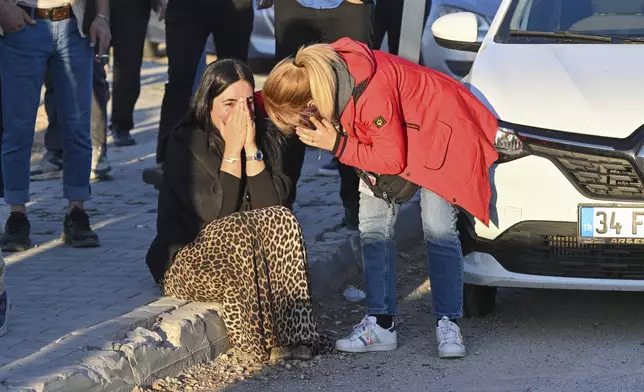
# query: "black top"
(194, 192)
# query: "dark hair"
(217, 77)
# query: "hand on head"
(324, 136)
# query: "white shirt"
(45, 3)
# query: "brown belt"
(53, 14)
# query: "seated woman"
(222, 234)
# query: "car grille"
(551, 249)
(596, 176)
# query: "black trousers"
(388, 20)
(188, 24)
(100, 96)
(129, 20)
(296, 26)
(1, 135)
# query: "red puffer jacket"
(420, 124)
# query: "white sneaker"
(450, 340)
(369, 336)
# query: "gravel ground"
(536, 340)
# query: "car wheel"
(478, 301)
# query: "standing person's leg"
(71, 68)
(23, 61)
(381, 23)
(51, 164)
(295, 26)
(4, 299)
(394, 24)
(129, 21)
(231, 24)
(356, 22)
(445, 260)
(200, 69)
(376, 332)
(186, 35)
(100, 96)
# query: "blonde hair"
(299, 85)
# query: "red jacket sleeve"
(386, 153)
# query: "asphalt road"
(536, 340)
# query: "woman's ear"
(311, 104)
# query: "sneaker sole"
(125, 144)
(88, 243)
(15, 247)
(368, 349)
(328, 173)
(451, 355)
(46, 176)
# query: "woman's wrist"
(251, 149)
(232, 152)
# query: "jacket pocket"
(413, 126)
(437, 148)
(463, 157)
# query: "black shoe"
(122, 138)
(76, 230)
(153, 176)
(350, 218)
(16, 233)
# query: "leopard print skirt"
(255, 264)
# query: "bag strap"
(358, 90)
(356, 94)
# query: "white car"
(564, 79)
(455, 63)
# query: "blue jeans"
(444, 254)
(100, 96)
(200, 70)
(25, 56)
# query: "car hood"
(593, 89)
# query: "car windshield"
(574, 18)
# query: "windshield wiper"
(572, 35)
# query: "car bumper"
(483, 269)
(532, 239)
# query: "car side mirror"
(458, 31)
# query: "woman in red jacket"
(402, 126)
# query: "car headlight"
(509, 145)
(483, 21)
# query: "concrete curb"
(135, 353)
(167, 336)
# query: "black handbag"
(389, 187)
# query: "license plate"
(611, 224)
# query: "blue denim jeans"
(25, 55)
(444, 254)
(200, 70)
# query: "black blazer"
(192, 191)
